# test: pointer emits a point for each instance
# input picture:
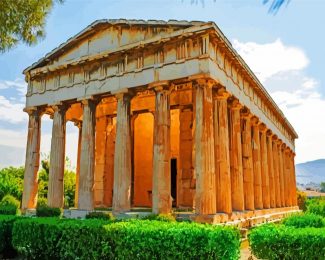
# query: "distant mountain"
(313, 171)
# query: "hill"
(313, 171)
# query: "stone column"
(236, 163)
(221, 128)
(258, 201)
(122, 156)
(79, 125)
(276, 164)
(281, 174)
(161, 196)
(287, 179)
(205, 196)
(87, 156)
(294, 184)
(265, 169)
(248, 174)
(29, 199)
(271, 169)
(55, 196)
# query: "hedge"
(304, 220)
(282, 242)
(46, 211)
(6, 224)
(52, 238)
(316, 206)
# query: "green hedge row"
(52, 238)
(316, 206)
(284, 242)
(304, 220)
(6, 225)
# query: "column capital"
(78, 123)
(263, 128)
(60, 107)
(255, 121)
(246, 113)
(203, 82)
(87, 101)
(235, 105)
(269, 133)
(159, 84)
(34, 110)
(125, 94)
(221, 93)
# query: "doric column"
(221, 128)
(122, 156)
(161, 196)
(205, 196)
(271, 169)
(248, 174)
(287, 177)
(280, 156)
(79, 125)
(236, 160)
(294, 184)
(29, 200)
(55, 196)
(264, 169)
(276, 164)
(258, 202)
(87, 156)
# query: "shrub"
(46, 211)
(304, 220)
(9, 205)
(281, 242)
(8, 210)
(144, 239)
(160, 217)
(301, 200)
(6, 224)
(316, 206)
(84, 239)
(99, 215)
(10, 200)
(53, 238)
(36, 238)
(41, 201)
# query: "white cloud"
(269, 59)
(11, 112)
(18, 84)
(281, 69)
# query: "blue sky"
(286, 51)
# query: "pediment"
(107, 35)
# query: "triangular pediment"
(107, 35)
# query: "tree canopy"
(23, 21)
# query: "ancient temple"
(169, 116)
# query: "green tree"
(23, 21)
(322, 186)
(11, 182)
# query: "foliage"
(46, 211)
(304, 220)
(281, 242)
(160, 217)
(41, 202)
(10, 200)
(22, 20)
(9, 205)
(275, 5)
(53, 238)
(301, 200)
(36, 238)
(316, 206)
(322, 187)
(6, 224)
(69, 188)
(99, 215)
(11, 181)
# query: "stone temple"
(169, 116)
